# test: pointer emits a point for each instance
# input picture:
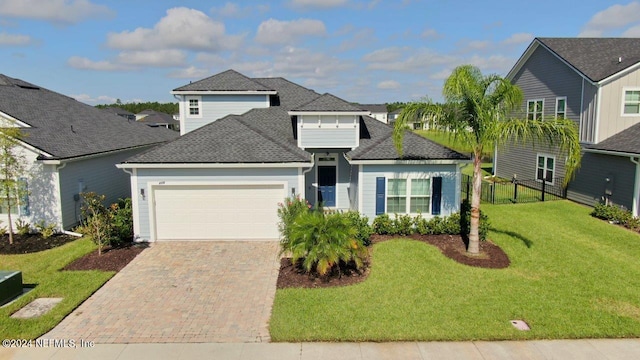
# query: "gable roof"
(268, 135)
(328, 103)
(159, 118)
(66, 128)
(626, 141)
(118, 111)
(374, 108)
(594, 58)
(229, 80)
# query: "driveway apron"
(183, 292)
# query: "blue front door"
(327, 185)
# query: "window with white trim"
(631, 102)
(546, 168)
(535, 109)
(413, 195)
(561, 107)
(194, 106)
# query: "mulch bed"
(24, 244)
(112, 259)
(453, 246)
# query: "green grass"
(571, 276)
(42, 270)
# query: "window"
(194, 107)
(535, 109)
(420, 199)
(631, 103)
(397, 196)
(411, 194)
(561, 107)
(545, 168)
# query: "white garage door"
(217, 212)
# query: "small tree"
(12, 167)
(98, 219)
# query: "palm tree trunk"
(474, 233)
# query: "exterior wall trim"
(410, 162)
(213, 92)
(211, 165)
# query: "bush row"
(617, 215)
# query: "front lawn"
(571, 276)
(42, 269)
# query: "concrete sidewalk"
(538, 349)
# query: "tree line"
(167, 108)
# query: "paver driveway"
(182, 292)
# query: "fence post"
(544, 182)
(515, 191)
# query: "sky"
(367, 51)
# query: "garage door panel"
(217, 211)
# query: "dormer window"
(194, 106)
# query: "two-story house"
(249, 143)
(376, 111)
(596, 83)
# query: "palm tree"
(477, 111)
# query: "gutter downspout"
(305, 172)
(636, 186)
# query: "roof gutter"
(223, 92)
(92, 156)
(211, 165)
(611, 152)
(410, 162)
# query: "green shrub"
(98, 219)
(121, 222)
(324, 241)
(613, 213)
(403, 224)
(23, 227)
(3, 229)
(421, 225)
(436, 225)
(46, 230)
(383, 225)
(465, 221)
(451, 224)
(288, 212)
(361, 224)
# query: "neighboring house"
(144, 113)
(249, 143)
(376, 111)
(414, 124)
(156, 118)
(70, 147)
(596, 83)
(121, 112)
(393, 116)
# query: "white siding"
(98, 175)
(328, 131)
(146, 177)
(450, 184)
(353, 187)
(215, 107)
(611, 120)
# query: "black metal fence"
(516, 191)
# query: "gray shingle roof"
(596, 58)
(328, 102)
(626, 141)
(229, 80)
(379, 145)
(374, 108)
(159, 118)
(66, 128)
(269, 135)
(118, 111)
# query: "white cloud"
(57, 11)
(83, 63)
(191, 72)
(615, 17)
(478, 45)
(88, 99)
(518, 38)
(388, 84)
(15, 39)
(180, 28)
(430, 34)
(407, 60)
(287, 32)
(633, 31)
(158, 58)
(361, 38)
(318, 3)
(385, 55)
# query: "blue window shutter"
(380, 192)
(436, 195)
(24, 196)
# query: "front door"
(327, 185)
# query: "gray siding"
(543, 77)
(98, 175)
(145, 176)
(591, 185)
(215, 107)
(329, 138)
(450, 184)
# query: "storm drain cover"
(36, 308)
(520, 325)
